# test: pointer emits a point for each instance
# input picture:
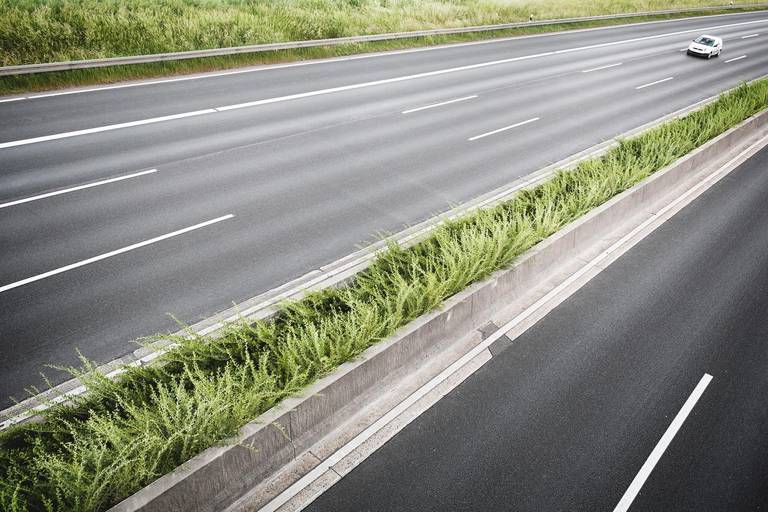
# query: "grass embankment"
(34, 31)
(126, 434)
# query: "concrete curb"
(524, 312)
(23, 69)
(220, 475)
(336, 273)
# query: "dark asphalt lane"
(27, 170)
(307, 180)
(71, 112)
(567, 415)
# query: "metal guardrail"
(24, 69)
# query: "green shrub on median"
(127, 433)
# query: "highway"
(567, 415)
(121, 206)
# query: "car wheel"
(709, 56)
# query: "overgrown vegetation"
(127, 433)
(58, 30)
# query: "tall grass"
(127, 433)
(33, 31)
(57, 30)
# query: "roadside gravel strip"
(125, 434)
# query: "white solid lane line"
(73, 189)
(467, 67)
(362, 85)
(737, 58)
(425, 107)
(379, 82)
(654, 83)
(8, 100)
(533, 119)
(112, 253)
(662, 445)
(602, 67)
(107, 128)
(750, 35)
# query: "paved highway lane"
(52, 114)
(566, 417)
(295, 184)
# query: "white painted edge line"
(361, 85)
(73, 189)
(736, 58)
(8, 100)
(366, 434)
(750, 35)
(661, 446)
(433, 105)
(358, 57)
(654, 83)
(59, 399)
(521, 123)
(106, 128)
(79, 390)
(602, 67)
(111, 253)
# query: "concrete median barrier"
(220, 475)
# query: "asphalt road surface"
(565, 418)
(235, 197)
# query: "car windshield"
(708, 41)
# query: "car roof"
(709, 36)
